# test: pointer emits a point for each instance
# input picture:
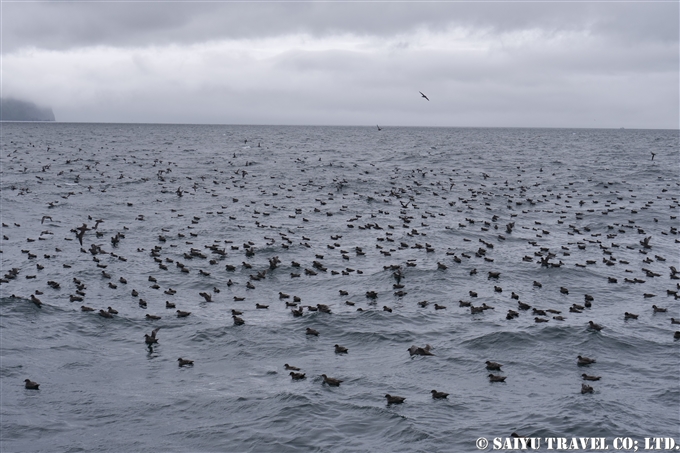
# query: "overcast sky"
(498, 64)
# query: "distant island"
(16, 110)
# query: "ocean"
(335, 216)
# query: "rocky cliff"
(16, 110)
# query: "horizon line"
(341, 125)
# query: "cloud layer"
(488, 64)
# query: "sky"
(482, 64)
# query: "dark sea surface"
(408, 198)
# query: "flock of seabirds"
(407, 231)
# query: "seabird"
(585, 360)
(438, 395)
(422, 95)
(340, 349)
(31, 385)
(331, 381)
(297, 376)
(590, 378)
(394, 399)
(183, 362)
(594, 326)
(151, 339)
(81, 232)
(494, 366)
(36, 301)
(415, 350)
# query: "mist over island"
(17, 110)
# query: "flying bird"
(421, 93)
(378, 127)
(81, 232)
(151, 339)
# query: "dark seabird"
(378, 127)
(627, 315)
(592, 325)
(290, 367)
(311, 331)
(438, 395)
(340, 349)
(36, 301)
(394, 399)
(422, 95)
(297, 376)
(86, 308)
(152, 317)
(653, 154)
(81, 232)
(586, 388)
(331, 381)
(590, 378)
(415, 350)
(493, 366)
(496, 378)
(31, 385)
(112, 311)
(183, 314)
(151, 339)
(183, 362)
(238, 321)
(105, 314)
(585, 360)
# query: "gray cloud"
(487, 64)
(74, 24)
